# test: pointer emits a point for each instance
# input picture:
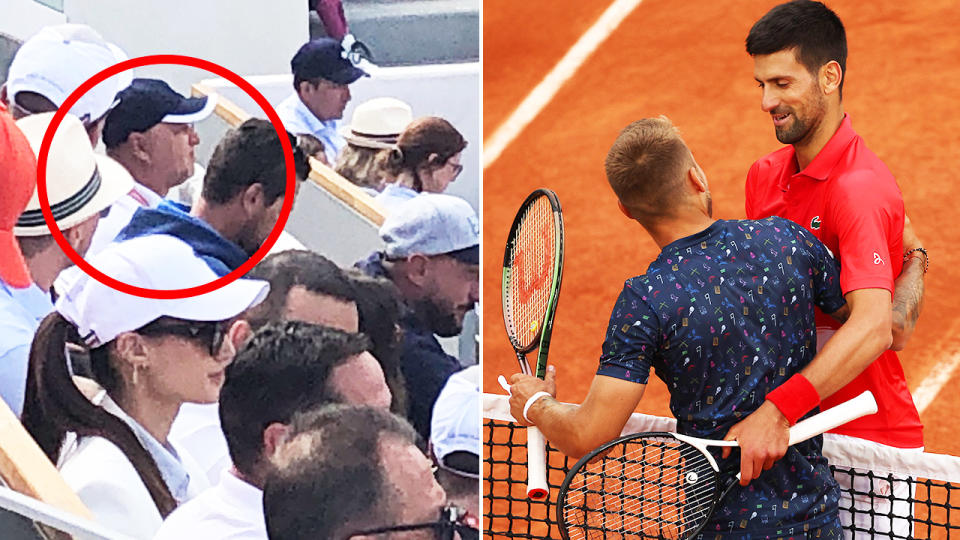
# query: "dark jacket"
(425, 365)
(220, 254)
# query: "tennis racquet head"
(532, 269)
(663, 485)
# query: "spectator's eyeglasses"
(211, 333)
(449, 526)
(457, 168)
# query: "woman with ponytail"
(148, 356)
(426, 159)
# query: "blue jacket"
(220, 254)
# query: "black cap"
(324, 58)
(148, 102)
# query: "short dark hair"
(289, 269)
(282, 369)
(645, 166)
(811, 28)
(329, 478)
(247, 155)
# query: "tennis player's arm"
(856, 344)
(908, 290)
(577, 429)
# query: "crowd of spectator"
(303, 400)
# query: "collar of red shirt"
(829, 155)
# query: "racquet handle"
(861, 405)
(536, 465)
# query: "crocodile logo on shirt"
(815, 223)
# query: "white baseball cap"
(101, 313)
(58, 59)
(432, 224)
(80, 182)
(455, 425)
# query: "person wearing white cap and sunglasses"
(374, 128)
(54, 62)
(150, 356)
(80, 185)
(151, 133)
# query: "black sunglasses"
(450, 523)
(211, 333)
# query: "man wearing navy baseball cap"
(322, 74)
(432, 255)
(150, 132)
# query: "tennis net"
(887, 493)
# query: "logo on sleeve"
(877, 259)
(815, 223)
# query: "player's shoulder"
(782, 230)
(862, 173)
(775, 160)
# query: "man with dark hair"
(352, 472)
(432, 255)
(150, 132)
(242, 195)
(305, 286)
(725, 315)
(828, 181)
(322, 76)
(284, 368)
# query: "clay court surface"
(686, 60)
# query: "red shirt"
(849, 200)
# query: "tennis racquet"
(532, 266)
(663, 485)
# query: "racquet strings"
(532, 256)
(648, 487)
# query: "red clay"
(686, 60)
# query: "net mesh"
(887, 493)
(531, 273)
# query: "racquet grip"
(536, 465)
(861, 405)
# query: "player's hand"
(523, 386)
(763, 437)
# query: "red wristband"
(794, 398)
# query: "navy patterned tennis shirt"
(725, 316)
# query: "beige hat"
(377, 123)
(80, 182)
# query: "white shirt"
(108, 484)
(297, 119)
(197, 430)
(231, 510)
(120, 214)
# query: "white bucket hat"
(80, 182)
(377, 123)
(101, 313)
(58, 59)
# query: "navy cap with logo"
(148, 102)
(324, 58)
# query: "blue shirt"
(297, 119)
(393, 196)
(21, 311)
(724, 316)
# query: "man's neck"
(142, 174)
(808, 149)
(46, 266)
(220, 217)
(667, 231)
